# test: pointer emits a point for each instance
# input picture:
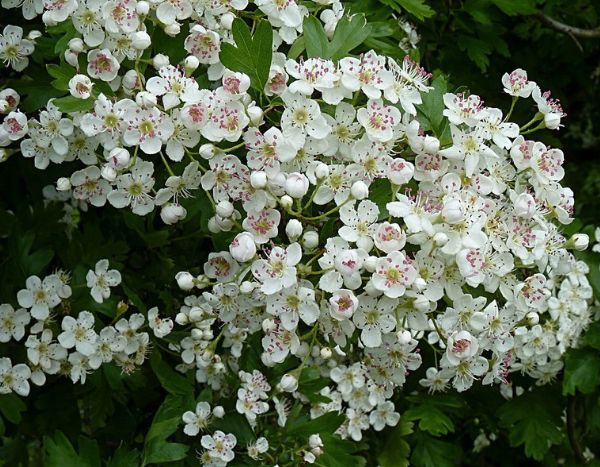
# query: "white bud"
(431, 145)
(227, 20)
(258, 179)
(130, 80)
(218, 411)
(296, 185)
(108, 173)
(440, 239)
(326, 353)
(321, 171)
(255, 114)
(400, 171)
(190, 63)
(268, 325)
(524, 205)
(160, 60)
(286, 202)
(185, 280)
(247, 287)
(145, 99)
(421, 304)
(71, 58)
(118, 157)
(172, 213)
(34, 34)
(142, 8)
(453, 212)
(580, 241)
(197, 334)
(359, 190)
(370, 263)
(213, 226)
(140, 40)
(172, 29)
(181, 319)
(293, 229)
(63, 184)
(242, 247)
(288, 383)
(420, 283)
(532, 318)
(314, 441)
(224, 209)
(552, 120)
(310, 240)
(208, 151)
(76, 45)
(404, 337)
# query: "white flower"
(242, 247)
(120, 16)
(260, 446)
(359, 223)
(173, 86)
(379, 120)
(384, 414)
(263, 225)
(43, 352)
(219, 445)
(133, 188)
(15, 125)
(516, 83)
(88, 21)
(374, 316)
(102, 65)
(147, 127)
(14, 50)
(301, 118)
(89, 186)
(101, 279)
(343, 304)
(203, 44)
(468, 146)
(278, 270)
(389, 237)
(160, 326)
(292, 304)
(462, 345)
(366, 73)
(198, 420)
(286, 13)
(312, 74)
(79, 333)
(12, 323)
(40, 296)
(14, 378)
(461, 108)
(393, 274)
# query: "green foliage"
(418, 8)
(349, 33)
(251, 54)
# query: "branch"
(571, 430)
(570, 30)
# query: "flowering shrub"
(370, 229)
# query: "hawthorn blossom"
(101, 279)
(14, 50)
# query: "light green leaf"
(69, 104)
(349, 33)
(315, 39)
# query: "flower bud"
(400, 171)
(224, 209)
(288, 383)
(118, 157)
(142, 8)
(185, 280)
(524, 205)
(34, 34)
(532, 318)
(440, 239)
(296, 185)
(218, 411)
(247, 287)
(172, 213)
(421, 304)
(191, 63)
(452, 212)
(268, 325)
(431, 145)
(172, 29)
(342, 304)
(293, 229)
(404, 337)
(325, 353)
(258, 179)
(314, 441)
(552, 120)
(63, 184)
(370, 263)
(145, 99)
(242, 247)
(359, 190)
(310, 240)
(255, 114)
(286, 202)
(130, 80)
(71, 58)
(181, 319)
(213, 226)
(140, 40)
(321, 171)
(208, 151)
(108, 173)
(579, 241)
(227, 20)
(160, 60)
(76, 45)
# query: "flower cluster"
(365, 241)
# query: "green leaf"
(175, 383)
(11, 407)
(431, 419)
(123, 457)
(417, 8)
(532, 420)
(432, 452)
(236, 424)
(166, 421)
(516, 7)
(60, 452)
(326, 423)
(430, 111)
(250, 55)
(582, 371)
(62, 74)
(349, 33)
(396, 450)
(477, 50)
(315, 39)
(73, 104)
(592, 336)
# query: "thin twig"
(570, 30)
(571, 401)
